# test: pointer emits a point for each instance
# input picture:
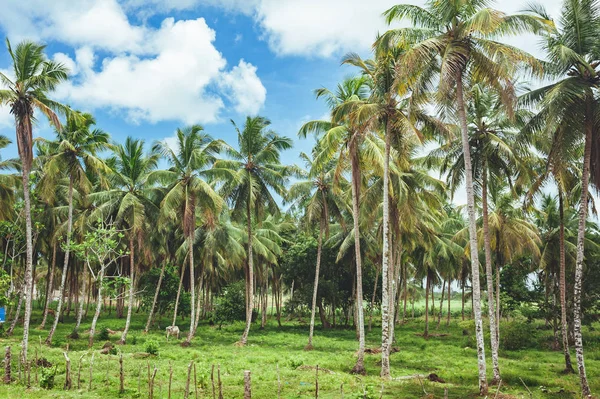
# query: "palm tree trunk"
(405, 282)
(160, 279)
(14, 322)
(563, 290)
(583, 205)
(98, 306)
(309, 346)
(462, 296)
(483, 386)
(199, 302)
(28, 259)
(81, 302)
(375, 284)
(449, 297)
(489, 274)
(131, 288)
(385, 264)
(65, 264)
(178, 292)
(441, 304)
(192, 289)
(359, 367)
(250, 280)
(427, 284)
(49, 288)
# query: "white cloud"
(244, 88)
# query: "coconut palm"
(570, 105)
(132, 201)
(460, 36)
(320, 198)
(188, 189)
(34, 78)
(8, 183)
(71, 154)
(253, 171)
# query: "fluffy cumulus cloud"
(173, 72)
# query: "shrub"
(104, 334)
(47, 379)
(231, 305)
(151, 347)
(517, 335)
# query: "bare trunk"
(441, 304)
(85, 289)
(192, 289)
(483, 386)
(316, 285)
(65, 264)
(14, 322)
(49, 288)
(449, 298)
(28, 262)
(160, 279)
(583, 204)
(98, 307)
(489, 274)
(250, 280)
(359, 367)
(385, 264)
(179, 292)
(563, 290)
(427, 284)
(131, 289)
(373, 298)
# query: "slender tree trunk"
(462, 296)
(489, 274)
(449, 299)
(441, 304)
(404, 271)
(85, 289)
(131, 288)
(199, 302)
(29, 255)
(562, 285)
(192, 290)
(179, 292)
(583, 205)
(359, 367)
(14, 322)
(373, 298)
(316, 285)
(427, 285)
(483, 386)
(250, 280)
(65, 264)
(49, 288)
(385, 264)
(98, 307)
(151, 314)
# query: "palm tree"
(253, 171)
(570, 105)
(188, 190)
(35, 77)
(459, 35)
(8, 183)
(131, 201)
(320, 198)
(72, 153)
(343, 139)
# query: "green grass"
(451, 356)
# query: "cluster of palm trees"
(441, 95)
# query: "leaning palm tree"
(34, 77)
(342, 139)
(72, 153)
(249, 177)
(460, 36)
(188, 190)
(571, 105)
(320, 199)
(130, 199)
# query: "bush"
(517, 335)
(151, 347)
(231, 305)
(47, 379)
(104, 334)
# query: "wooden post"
(247, 385)
(91, 371)
(151, 391)
(317, 382)
(7, 357)
(220, 383)
(195, 383)
(149, 388)
(278, 383)
(68, 382)
(28, 372)
(212, 381)
(187, 383)
(121, 374)
(342, 390)
(79, 372)
(170, 378)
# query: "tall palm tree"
(8, 183)
(343, 139)
(72, 153)
(571, 105)
(131, 199)
(320, 198)
(34, 78)
(249, 176)
(188, 189)
(460, 36)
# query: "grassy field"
(448, 353)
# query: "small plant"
(295, 363)
(134, 340)
(517, 335)
(151, 347)
(47, 378)
(104, 334)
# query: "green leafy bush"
(151, 347)
(104, 335)
(47, 378)
(517, 335)
(231, 305)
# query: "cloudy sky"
(144, 68)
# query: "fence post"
(247, 385)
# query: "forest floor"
(447, 353)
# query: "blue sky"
(144, 68)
